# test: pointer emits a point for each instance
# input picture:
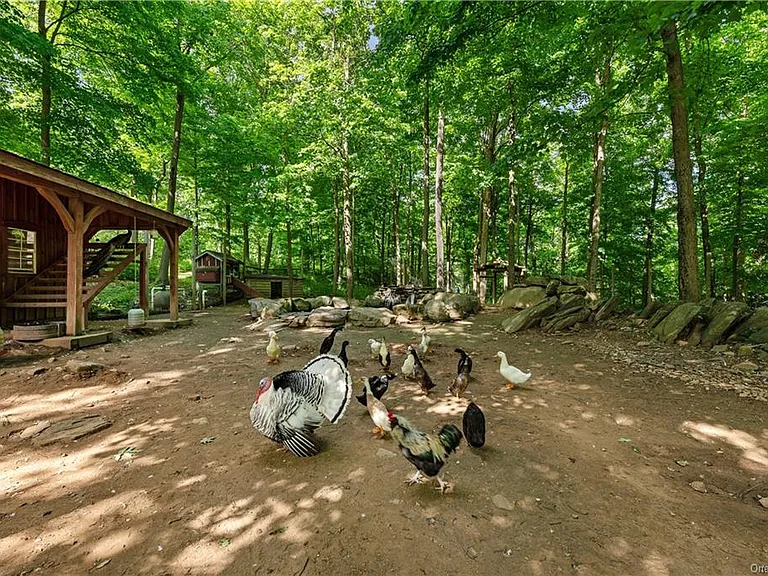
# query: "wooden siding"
(263, 285)
(22, 207)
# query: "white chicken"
(377, 410)
(290, 406)
(409, 367)
(273, 348)
(511, 374)
(375, 347)
(423, 346)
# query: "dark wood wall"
(22, 207)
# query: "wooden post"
(143, 282)
(75, 309)
(173, 236)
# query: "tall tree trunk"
(336, 243)
(226, 251)
(486, 199)
(448, 253)
(289, 255)
(688, 263)
(706, 244)
(737, 282)
(268, 252)
(45, 83)
(382, 252)
(425, 213)
(195, 234)
(564, 225)
(649, 227)
(246, 243)
(512, 202)
(529, 236)
(347, 192)
(440, 256)
(172, 179)
(396, 230)
(603, 79)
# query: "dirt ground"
(587, 469)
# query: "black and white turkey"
(290, 406)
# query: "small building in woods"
(47, 218)
(253, 282)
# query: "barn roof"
(218, 255)
(126, 212)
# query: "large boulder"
(301, 305)
(607, 309)
(436, 311)
(724, 317)
(296, 319)
(370, 317)
(573, 280)
(755, 328)
(536, 281)
(676, 321)
(407, 311)
(569, 301)
(459, 306)
(373, 301)
(552, 287)
(530, 316)
(523, 297)
(569, 289)
(319, 301)
(265, 308)
(650, 309)
(565, 319)
(327, 317)
(662, 313)
(337, 302)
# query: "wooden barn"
(208, 267)
(47, 218)
(274, 284)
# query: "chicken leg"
(415, 479)
(443, 485)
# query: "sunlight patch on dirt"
(754, 456)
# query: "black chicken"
(379, 385)
(419, 373)
(465, 362)
(474, 425)
(343, 353)
(425, 451)
(327, 344)
(461, 381)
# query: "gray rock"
(747, 367)
(537, 281)
(296, 319)
(573, 280)
(319, 301)
(370, 317)
(607, 309)
(301, 305)
(373, 301)
(337, 302)
(501, 502)
(568, 289)
(522, 297)
(83, 367)
(530, 316)
(745, 351)
(552, 287)
(355, 303)
(565, 319)
(676, 321)
(650, 309)
(407, 311)
(272, 309)
(720, 348)
(436, 311)
(37, 370)
(257, 305)
(662, 313)
(723, 318)
(460, 306)
(327, 317)
(755, 328)
(568, 301)
(698, 485)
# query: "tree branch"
(63, 16)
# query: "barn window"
(22, 255)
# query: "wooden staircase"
(49, 288)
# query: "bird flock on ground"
(291, 405)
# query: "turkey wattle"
(290, 406)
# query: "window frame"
(20, 271)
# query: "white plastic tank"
(136, 318)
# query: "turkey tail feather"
(337, 388)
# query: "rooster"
(419, 373)
(377, 410)
(461, 381)
(327, 344)
(427, 452)
(289, 407)
(379, 385)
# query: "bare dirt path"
(587, 469)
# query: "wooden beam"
(54, 200)
(174, 273)
(75, 310)
(143, 281)
(93, 213)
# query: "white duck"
(423, 346)
(408, 367)
(511, 374)
(273, 348)
(375, 347)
